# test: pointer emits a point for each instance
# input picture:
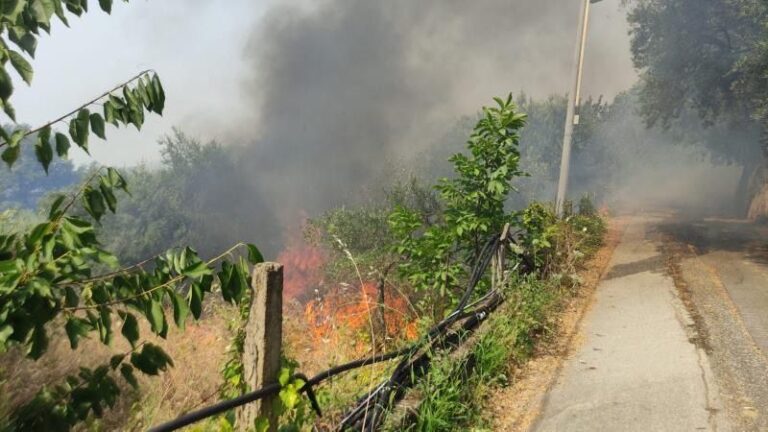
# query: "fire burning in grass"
(348, 314)
(303, 268)
(339, 316)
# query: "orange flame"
(303, 268)
(338, 321)
(345, 312)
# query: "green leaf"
(16, 137)
(261, 424)
(109, 197)
(97, 125)
(44, 152)
(79, 128)
(44, 134)
(156, 316)
(76, 328)
(254, 255)
(196, 299)
(106, 258)
(71, 299)
(38, 232)
(106, 5)
(197, 270)
(5, 332)
(76, 7)
(8, 109)
(11, 155)
(225, 277)
(21, 65)
(77, 225)
(116, 180)
(180, 310)
(10, 9)
(239, 281)
(105, 325)
(62, 145)
(159, 102)
(290, 397)
(39, 342)
(126, 371)
(24, 39)
(93, 202)
(42, 11)
(151, 359)
(130, 329)
(115, 360)
(13, 147)
(110, 113)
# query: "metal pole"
(571, 118)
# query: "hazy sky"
(198, 46)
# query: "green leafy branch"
(127, 107)
(473, 207)
(46, 274)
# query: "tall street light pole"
(571, 116)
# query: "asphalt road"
(721, 269)
(677, 337)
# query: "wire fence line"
(369, 411)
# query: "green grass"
(453, 391)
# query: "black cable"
(217, 408)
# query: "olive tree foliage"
(691, 54)
(58, 273)
(541, 143)
(473, 201)
(702, 66)
(703, 58)
(194, 197)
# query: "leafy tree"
(541, 143)
(189, 199)
(689, 52)
(540, 146)
(705, 58)
(473, 205)
(58, 273)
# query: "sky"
(200, 50)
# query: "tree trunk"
(379, 318)
(745, 191)
(758, 208)
(380, 322)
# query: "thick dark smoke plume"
(341, 87)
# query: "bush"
(587, 207)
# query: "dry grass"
(198, 354)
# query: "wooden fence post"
(263, 343)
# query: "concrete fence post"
(263, 343)
(498, 261)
